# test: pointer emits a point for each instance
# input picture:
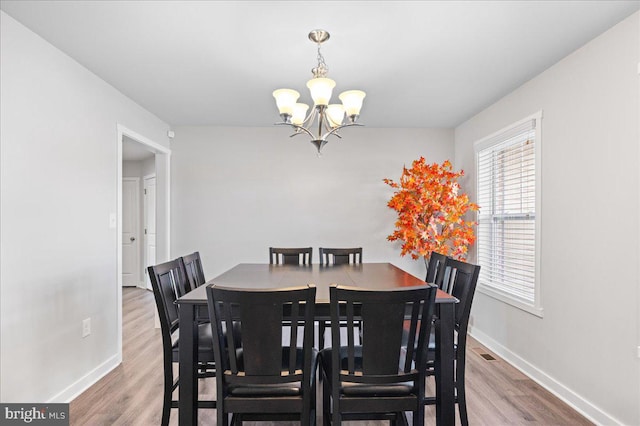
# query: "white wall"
(58, 142)
(584, 348)
(131, 168)
(237, 191)
(140, 168)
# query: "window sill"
(510, 300)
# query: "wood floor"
(497, 393)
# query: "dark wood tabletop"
(379, 276)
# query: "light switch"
(113, 220)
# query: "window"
(508, 221)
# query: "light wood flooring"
(131, 394)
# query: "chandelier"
(324, 119)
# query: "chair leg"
(313, 409)
(307, 410)
(460, 392)
(462, 408)
(400, 419)
(418, 416)
(335, 418)
(223, 418)
(168, 392)
(305, 418)
(326, 402)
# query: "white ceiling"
(422, 63)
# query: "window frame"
(494, 139)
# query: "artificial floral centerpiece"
(431, 211)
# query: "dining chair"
(340, 256)
(269, 376)
(290, 256)
(461, 283)
(193, 269)
(385, 376)
(165, 280)
(436, 269)
(194, 276)
(178, 275)
(335, 256)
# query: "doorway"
(141, 158)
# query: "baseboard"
(75, 389)
(577, 402)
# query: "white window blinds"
(507, 243)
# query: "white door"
(149, 224)
(130, 221)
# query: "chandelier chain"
(321, 70)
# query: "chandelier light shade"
(286, 100)
(324, 119)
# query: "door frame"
(163, 213)
(136, 180)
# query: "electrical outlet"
(86, 327)
(638, 351)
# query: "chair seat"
(362, 389)
(259, 391)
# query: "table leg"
(444, 365)
(188, 359)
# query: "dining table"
(193, 305)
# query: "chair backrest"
(340, 256)
(389, 343)
(266, 350)
(193, 269)
(165, 279)
(290, 256)
(461, 283)
(436, 269)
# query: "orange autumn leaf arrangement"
(431, 211)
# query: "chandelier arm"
(334, 130)
(327, 125)
(300, 129)
(311, 117)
